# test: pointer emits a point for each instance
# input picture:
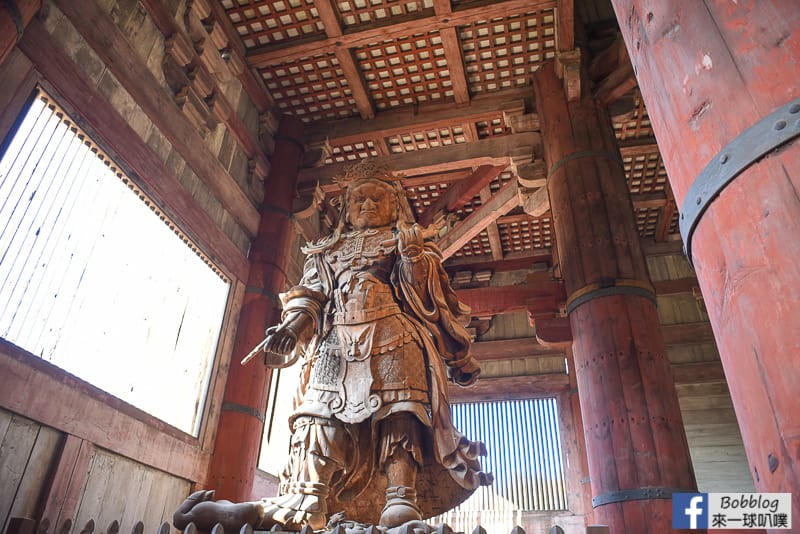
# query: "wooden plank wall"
(56, 478)
(27, 452)
(715, 443)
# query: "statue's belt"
(365, 316)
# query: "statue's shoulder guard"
(320, 245)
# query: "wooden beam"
(668, 248)
(495, 243)
(18, 79)
(111, 46)
(460, 193)
(327, 15)
(501, 150)
(697, 373)
(649, 200)
(677, 286)
(425, 117)
(82, 410)
(510, 388)
(506, 199)
(509, 349)
(355, 81)
(512, 261)
(274, 54)
(489, 301)
(687, 333)
(128, 149)
(638, 147)
(454, 56)
(62, 495)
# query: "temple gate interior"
(615, 187)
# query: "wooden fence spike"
(191, 528)
(443, 528)
(307, 530)
(113, 527)
(517, 530)
(138, 528)
(479, 530)
(88, 528)
(164, 528)
(66, 526)
(247, 528)
(555, 529)
(218, 529)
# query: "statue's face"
(371, 205)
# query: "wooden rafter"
(348, 64)
(275, 54)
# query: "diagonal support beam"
(506, 199)
(461, 192)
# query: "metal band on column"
(640, 494)
(618, 286)
(774, 130)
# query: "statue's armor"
(371, 361)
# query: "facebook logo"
(690, 510)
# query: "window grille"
(92, 280)
(523, 454)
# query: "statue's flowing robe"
(424, 312)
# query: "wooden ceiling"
(440, 91)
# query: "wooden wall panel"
(119, 489)
(715, 442)
(26, 452)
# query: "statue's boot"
(401, 507)
(302, 504)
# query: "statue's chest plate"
(365, 249)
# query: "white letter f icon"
(693, 511)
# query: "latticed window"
(95, 279)
(524, 455)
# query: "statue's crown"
(366, 168)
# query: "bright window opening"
(94, 281)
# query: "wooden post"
(635, 440)
(241, 423)
(14, 17)
(708, 71)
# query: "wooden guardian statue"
(380, 332)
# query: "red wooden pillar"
(635, 440)
(708, 71)
(241, 423)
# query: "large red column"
(241, 423)
(708, 71)
(635, 439)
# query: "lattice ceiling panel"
(492, 127)
(637, 126)
(502, 53)
(406, 71)
(351, 152)
(519, 234)
(645, 172)
(310, 88)
(478, 246)
(423, 196)
(277, 21)
(647, 221)
(354, 13)
(421, 140)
